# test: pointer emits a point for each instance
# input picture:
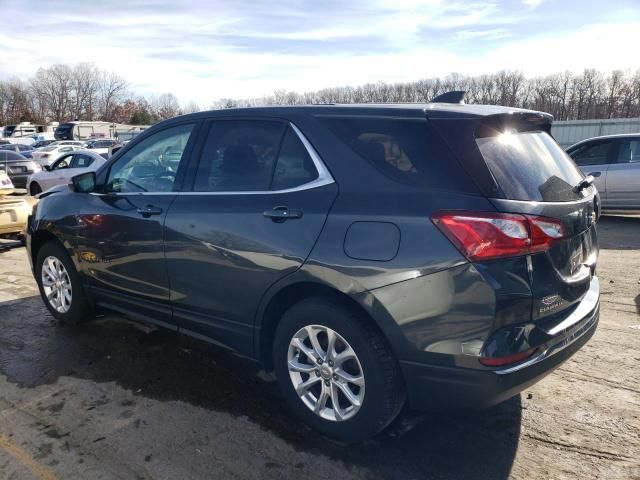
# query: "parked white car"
(77, 143)
(65, 167)
(49, 154)
(101, 146)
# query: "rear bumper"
(431, 386)
(19, 180)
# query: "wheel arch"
(30, 185)
(286, 297)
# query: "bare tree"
(112, 89)
(165, 106)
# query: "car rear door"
(593, 157)
(120, 233)
(623, 175)
(259, 200)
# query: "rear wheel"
(35, 189)
(59, 284)
(336, 370)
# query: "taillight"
(486, 235)
(507, 360)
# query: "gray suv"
(434, 255)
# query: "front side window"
(591, 154)
(238, 156)
(146, 167)
(64, 162)
(629, 151)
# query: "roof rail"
(454, 96)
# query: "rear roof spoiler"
(454, 96)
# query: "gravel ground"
(113, 399)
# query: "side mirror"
(84, 183)
(47, 168)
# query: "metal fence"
(569, 132)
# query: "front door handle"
(149, 210)
(595, 174)
(282, 214)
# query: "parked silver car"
(614, 162)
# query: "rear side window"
(629, 151)
(81, 161)
(404, 150)
(238, 156)
(592, 153)
(530, 166)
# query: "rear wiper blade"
(586, 182)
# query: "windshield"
(530, 166)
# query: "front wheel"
(336, 370)
(59, 284)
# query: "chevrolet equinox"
(373, 256)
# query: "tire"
(70, 310)
(34, 189)
(380, 393)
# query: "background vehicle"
(101, 146)
(6, 187)
(47, 155)
(80, 130)
(23, 129)
(17, 167)
(24, 150)
(115, 148)
(439, 254)
(61, 170)
(614, 162)
(42, 143)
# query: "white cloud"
(532, 3)
(238, 54)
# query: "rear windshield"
(530, 166)
(405, 150)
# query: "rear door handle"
(282, 214)
(149, 210)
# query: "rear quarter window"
(405, 150)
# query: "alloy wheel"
(56, 284)
(326, 373)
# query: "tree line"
(566, 95)
(85, 92)
(81, 92)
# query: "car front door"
(121, 238)
(57, 173)
(623, 175)
(78, 164)
(593, 158)
(259, 199)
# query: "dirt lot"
(113, 399)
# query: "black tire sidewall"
(35, 186)
(373, 415)
(79, 306)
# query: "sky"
(206, 50)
